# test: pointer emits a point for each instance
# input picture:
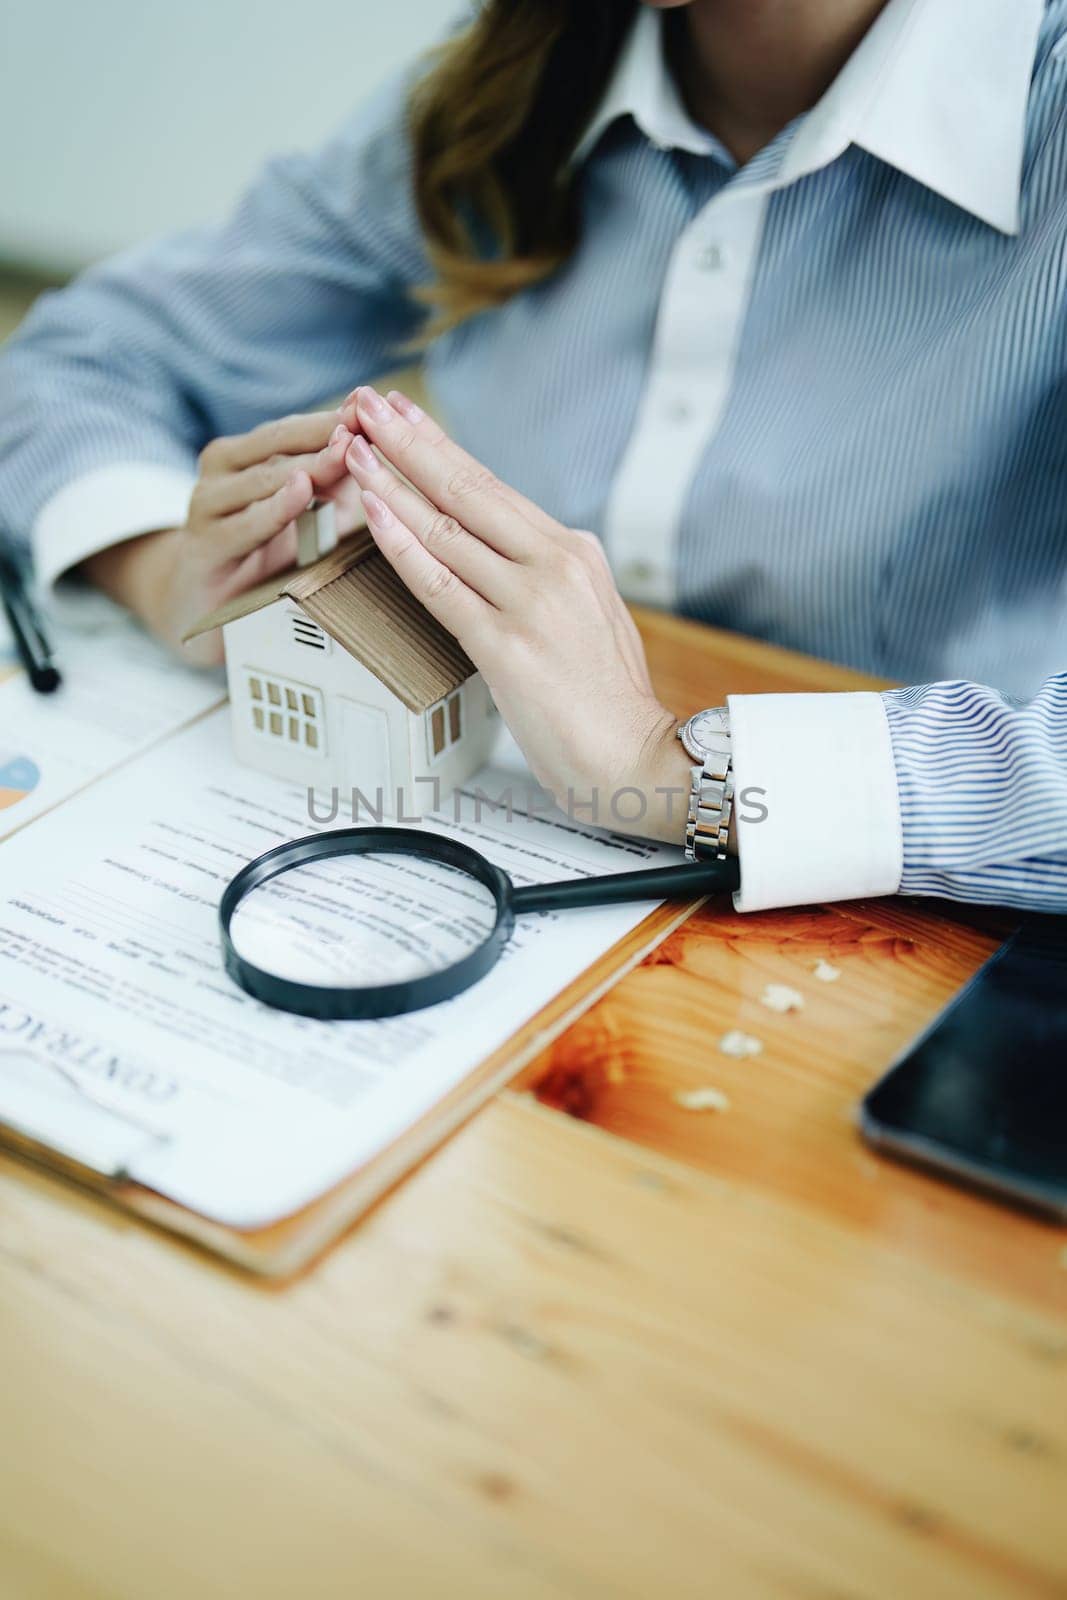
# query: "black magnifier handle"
(688, 881)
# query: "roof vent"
(307, 633)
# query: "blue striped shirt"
(882, 479)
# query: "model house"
(339, 678)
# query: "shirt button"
(678, 411)
(638, 571)
(711, 258)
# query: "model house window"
(289, 712)
(444, 724)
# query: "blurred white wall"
(120, 119)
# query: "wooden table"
(633, 1350)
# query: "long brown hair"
(493, 124)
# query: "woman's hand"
(240, 529)
(535, 606)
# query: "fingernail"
(361, 455)
(339, 433)
(406, 407)
(376, 509)
(349, 399)
(370, 400)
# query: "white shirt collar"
(642, 87)
(937, 89)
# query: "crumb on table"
(703, 1099)
(736, 1043)
(780, 997)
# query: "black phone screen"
(983, 1094)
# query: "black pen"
(30, 640)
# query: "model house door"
(365, 735)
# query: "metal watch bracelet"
(711, 800)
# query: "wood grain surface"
(598, 1345)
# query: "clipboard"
(292, 1244)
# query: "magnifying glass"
(375, 922)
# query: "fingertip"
(372, 406)
(405, 405)
(330, 463)
(359, 457)
(378, 512)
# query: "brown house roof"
(354, 594)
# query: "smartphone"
(982, 1096)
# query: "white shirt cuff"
(94, 511)
(815, 798)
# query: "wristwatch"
(706, 738)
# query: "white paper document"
(123, 1041)
(121, 692)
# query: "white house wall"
(262, 642)
(456, 764)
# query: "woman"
(768, 295)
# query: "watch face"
(707, 731)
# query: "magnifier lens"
(363, 920)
